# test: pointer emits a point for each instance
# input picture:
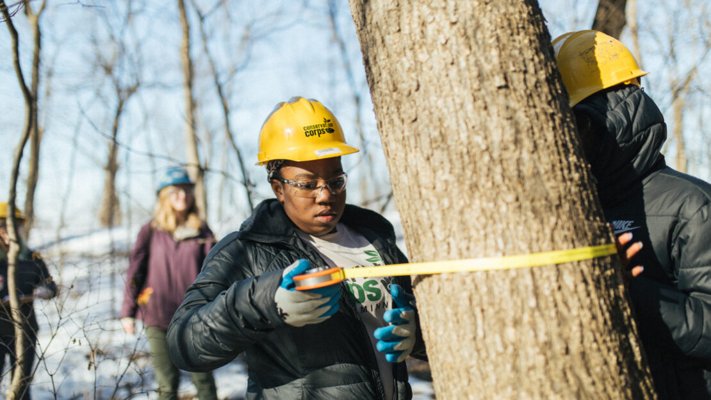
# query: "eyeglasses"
(311, 187)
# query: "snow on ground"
(82, 352)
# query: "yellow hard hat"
(4, 209)
(590, 61)
(301, 130)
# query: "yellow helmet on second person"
(301, 130)
(590, 61)
(4, 209)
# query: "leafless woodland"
(97, 97)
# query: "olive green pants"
(168, 375)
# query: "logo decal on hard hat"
(319, 129)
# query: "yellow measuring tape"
(328, 276)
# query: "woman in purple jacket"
(164, 261)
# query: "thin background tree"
(18, 385)
(34, 17)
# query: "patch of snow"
(82, 351)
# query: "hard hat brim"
(334, 149)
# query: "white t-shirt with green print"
(348, 249)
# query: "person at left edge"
(344, 342)
(164, 261)
(33, 281)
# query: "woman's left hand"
(627, 251)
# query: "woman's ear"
(278, 190)
(583, 122)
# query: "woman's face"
(180, 198)
(5, 237)
(315, 212)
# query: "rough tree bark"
(610, 17)
(19, 383)
(195, 168)
(485, 161)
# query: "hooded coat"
(32, 280)
(230, 310)
(670, 213)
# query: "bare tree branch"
(224, 101)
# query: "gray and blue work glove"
(299, 308)
(398, 338)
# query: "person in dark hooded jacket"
(32, 281)
(345, 341)
(622, 131)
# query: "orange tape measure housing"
(319, 278)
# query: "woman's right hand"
(129, 325)
(299, 308)
(626, 254)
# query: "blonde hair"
(165, 219)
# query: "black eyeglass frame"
(314, 191)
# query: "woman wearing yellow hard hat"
(622, 132)
(345, 341)
(590, 61)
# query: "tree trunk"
(36, 132)
(680, 90)
(485, 161)
(634, 31)
(110, 212)
(195, 168)
(610, 17)
(678, 112)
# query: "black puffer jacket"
(32, 280)
(670, 212)
(230, 309)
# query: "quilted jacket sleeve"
(225, 311)
(685, 309)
